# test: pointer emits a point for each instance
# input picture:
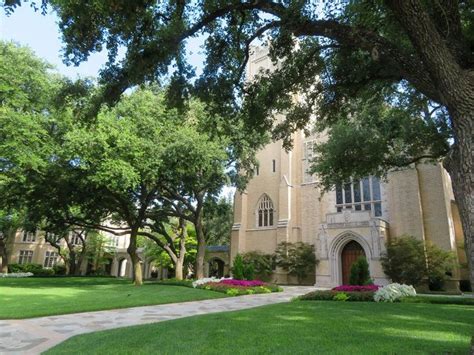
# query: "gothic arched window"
(265, 212)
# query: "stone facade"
(417, 201)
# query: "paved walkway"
(34, 335)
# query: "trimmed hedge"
(465, 301)
(174, 282)
(35, 269)
(329, 296)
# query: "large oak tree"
(359, 49)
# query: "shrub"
(439, 265)
(59, 269)
(468, 301)
(35, 269)
(298, 259)
(263, 264)
(232, 292)
(360, 274)
(242, 290)
(404, 262)
(341, 296)
(393, 292)
(175, 282)
(329, 296)
(249, 272)
(238, 268)
(356, 288)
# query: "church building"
(282, 203)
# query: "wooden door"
(351, 252)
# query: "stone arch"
(122, 267)
(335, 251)
(216, 267)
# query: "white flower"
(206, 280)
(16, 275)
(393, 292)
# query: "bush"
(35, 269)
(394, 292)
(407, 262)
(175, 282)
(467, 301)
(249, 272)
(360, 274)
(439, 265)
(298, 259)
(404, 262)
(238, 268)
(341, 296)
(329, 296)
(59, 269)
(263, 264)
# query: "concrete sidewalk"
(35, 335)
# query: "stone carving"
(323, 242)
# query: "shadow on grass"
(296, 328)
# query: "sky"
(41, 33)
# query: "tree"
(298, 259)
(10, 221)
(218, 219)
(360, 274)
(409, 54)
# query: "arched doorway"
(216, 268)
(122, 268)
(350, 253)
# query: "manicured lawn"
(295, 328)
(34, 297)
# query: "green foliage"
(408, 261)
(440, 264)
(218, 218)
(334, 296)
(59, 269)
(238, 268)
(298, 259)
(263, 264)
(35, 269)
(249, 272)
(174, 282)
(404, 262)
(467, 301)
(341, 296)
(360, 274)
(232, 292)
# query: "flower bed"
(240, 287)
(332, 295)
(356, 288)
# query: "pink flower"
(243, 283)
(356, 288)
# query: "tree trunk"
(459, 166)
(4, 257)
(136, 266)
(80, 260)
(182, 249)
(201, 248)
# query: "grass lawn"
(305, 327)
(34, 297)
